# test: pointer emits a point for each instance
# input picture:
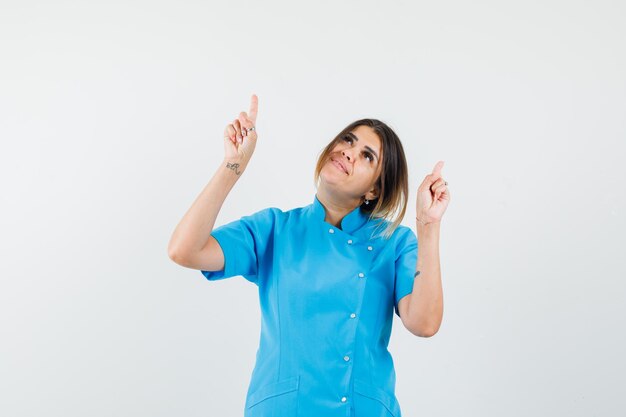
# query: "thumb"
(437, 169)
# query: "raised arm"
(191, 244)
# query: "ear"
(371, 194)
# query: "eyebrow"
(353, 136)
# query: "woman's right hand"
(239, 144)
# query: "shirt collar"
(351, 222)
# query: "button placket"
(364, 263)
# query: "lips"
(340, 164)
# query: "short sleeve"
(245, 243)
(406, 262)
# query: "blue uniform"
(327, 298)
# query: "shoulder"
(296, 213)
(266, 216)
(401, 235)
(271, 212)
(278, 216)
(402, 241)
(404, 233)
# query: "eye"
(367, 154)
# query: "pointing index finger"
(254, 105)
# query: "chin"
(330, 178)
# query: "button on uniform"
(349, 241)
(361, 274)
(369, 248)
(344, 399)
(352, 315)
(331, 230)
(346, 358)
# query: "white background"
(112, 116)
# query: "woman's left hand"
(432, 197)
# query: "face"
(360, 153)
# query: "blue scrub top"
(327, 297)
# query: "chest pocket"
(277, 399)
(370, 401)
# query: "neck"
(336, 208)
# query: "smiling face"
(354, 165)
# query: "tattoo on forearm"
(416, 274)
(233, 167)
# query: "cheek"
(367, 174)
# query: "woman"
(329, 274)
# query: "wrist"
(421, 219)
(428, 228)
(235, 165)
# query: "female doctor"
(329, 274)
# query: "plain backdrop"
(111, 121)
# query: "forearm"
(426, 302)
(193, 231)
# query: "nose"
(346, 155)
